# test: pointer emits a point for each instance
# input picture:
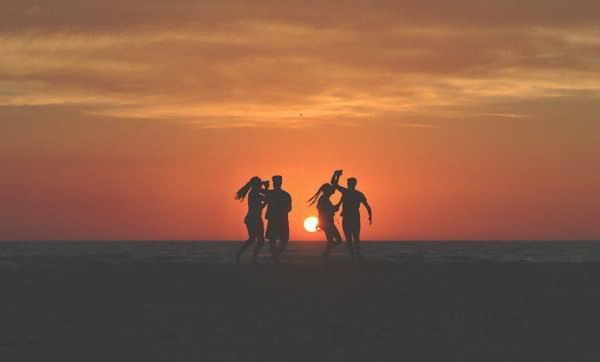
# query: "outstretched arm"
(366, 203)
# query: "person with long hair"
(327, 210)
(253, 219)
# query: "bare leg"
(325, 253)
(336, 237)
(346, 225)
(283, 234)
(281, 248)
(356, 233)
(333, 239)
(245, 246)
(273, 248)
(259, 244)
(260, 240)
(258, 233)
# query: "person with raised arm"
(253, 220)
(327, 210)
(351, 201)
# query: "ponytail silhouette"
(315, 197)
(241, 194)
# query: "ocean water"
(14, 255)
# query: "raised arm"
(335, 179)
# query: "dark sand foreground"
(85, 310)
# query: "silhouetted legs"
(357, 244)
(352, 232)
(282, 245)
(245, 246)
(259, 244)
(255, 234)
(333, 240)
(273, 248)
(277, 248)
(278, 229)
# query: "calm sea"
(16, 254)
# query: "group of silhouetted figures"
(279, 204)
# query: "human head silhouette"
(327, 189)
(352, 183)
(253, 183)
(277, 181)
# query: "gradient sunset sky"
(463, 119)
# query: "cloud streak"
(258, 61)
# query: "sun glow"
(310, 224)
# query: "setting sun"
(310, 224)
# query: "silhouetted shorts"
(351, 226)
(255, 226)
(278, 229)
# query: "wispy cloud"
(417, 125)
(260, 61)
(506, 115)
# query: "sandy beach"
(78, 308)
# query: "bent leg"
(245, 246)
(333, 237)
(325, 253)
(333, 240)
(329, 235)
(336, 236)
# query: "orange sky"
(140, 119)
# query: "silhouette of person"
(351, 201)
(279, 205)
(253, 219)
(327, 212)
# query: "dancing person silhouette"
(327, 210)
(278, 228)
(253, 219)
(351, 201)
